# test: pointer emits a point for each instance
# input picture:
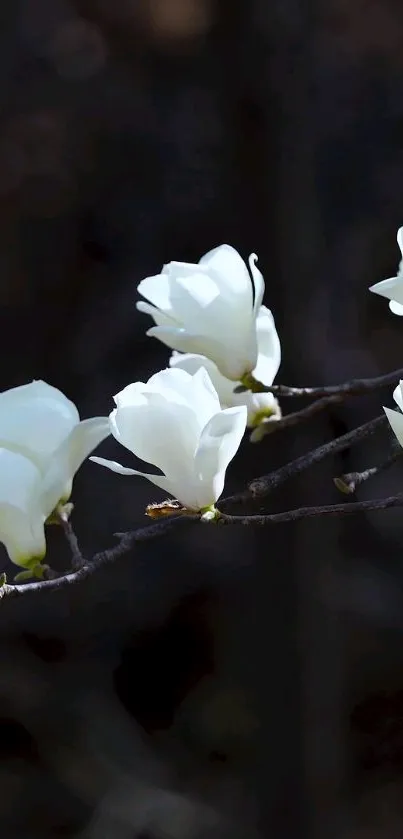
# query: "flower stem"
(250, 383)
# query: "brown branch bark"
(324, 397)
(290, 420)
(349, 482)
(355, 387)
(127, 540)
(77, 559)
(315, 512)
(265, 484)
(107, 557)
(257, 488)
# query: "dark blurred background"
(234, 685)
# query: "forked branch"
(355, 387)
(258, 488)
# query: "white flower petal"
(173, 385)
(398, 395)
(113, 465)
(203, 396)
(157, 290)
(228, 267)
(396, 422)
(191, 441)
(269, 348)
(35, 419)
(179, 269)
(171, 388)
(232, 365)
(21, 520)
(41, 434)
(157, 433)
(392, 289)
(167, 395)
(224, 295)
(198, 300)
(159, 480)
(396, 308)
(186, 341)
(191, 362)
(195, 392)
(219, 442)
(131, 395)
(259, 405)
(208, 309)
(82, 440)
(38, 389)
(160, 317)
(400, 239)
(258, 282)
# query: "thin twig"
(77, 559)
(259, 487)
(325, 397)
(349, 482)
(311, 512)
(355, 387)
(289, 420)
(267, 483)
(126, 541)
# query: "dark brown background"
(236, 684)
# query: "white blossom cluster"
(188, 420)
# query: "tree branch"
(257, 488)
(311, 512)
(265, 484)
(325, 396)
(355, 387)
(289, 420)
(126, 541)
(78, 560)
(261, 486)
(349, 482)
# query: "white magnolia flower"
(175, 422)
(42, 445)
(392, 289)
(396, 417)
(209, 308)
(260, 406)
